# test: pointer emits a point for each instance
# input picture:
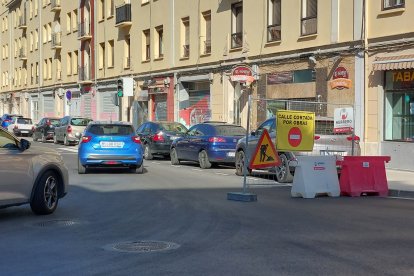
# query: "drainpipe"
(366, 72)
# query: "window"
(206, 32)
(185, 37)
(144, 1)
(101, 55)
(237, 25)
(36, 7)
(49, 32)
(44, 34)
(49, 68)
(68, 22)
(274, 20)
(58, 68)
(36, 39)
(159, 42)
(75, 62)
(392, 4)
(45, 69)
(69, 63)
(74, 20)
(110, 8)
(111, 53)
(127, 52)
(146, 53)
(101, 10)
(31, 9)
(31, 41)
(309, 17)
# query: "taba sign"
(400, 79)
(295, 130)
(343, 120)
(340, 79)
(242, 73)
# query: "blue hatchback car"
(111, 145)
(208, 144)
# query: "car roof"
(110, 123)
(213, 123)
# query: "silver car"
(35, 175)
(70, 129)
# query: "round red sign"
(242, 70)
(340, 73)
(295, 136)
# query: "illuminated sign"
(340, 79)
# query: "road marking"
(199, 170)
(226, 174)
(158, 163)
(176, 166)
(405, 198)
(69, 149)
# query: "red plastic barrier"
(363, 174)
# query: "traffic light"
(120, 89)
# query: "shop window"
(399, 116)
(302, 76)
(392, 4)
(274, 20)
(309, 17)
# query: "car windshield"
(54, 122)
(176, 127)
(24, 121)
(230, 130)
(80, 121)
(109, 130)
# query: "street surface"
(209, 235)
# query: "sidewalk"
(400, 183)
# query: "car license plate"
(24, 131)
(330, 152)
(112, 145)
(231, 154)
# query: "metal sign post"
(246, 161)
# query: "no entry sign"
(295, 130)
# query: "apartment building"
(194, 60)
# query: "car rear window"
(54, 122)
(80, 121)
(230, 130)
(326, 127)
(109, 130)
(24, 121)
(176, 127)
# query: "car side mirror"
(24, 144)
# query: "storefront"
(161, 99)
(48, 104)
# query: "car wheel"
(203, 160)
(282, 172)
(43, 138)
(66, 141)
(55, 141)
(45, 197)
(34, 137)
(138, 170)
(147, 152)
(81, 168)
(174, 157)
(240, 159)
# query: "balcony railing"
(207, 46)
(56, 5)
(22, 54)
(309, 25)
(84, 30)
(237, 40)
(186, 50)
(57, 40)
(273, 33)
(22, 22)
(123, 15)
(84, 74)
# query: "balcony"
(22, 22)
(207, 47)
(84, 31)
(236, 40)
(84, 75)
(273, 33)
(186, 51)
(123, 16)
(23, 54)
(309, 25)
(56, 6)
(57, 40)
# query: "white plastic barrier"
(315, 175)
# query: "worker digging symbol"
(263, 155)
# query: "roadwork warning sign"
(265, 155)
(295, 130)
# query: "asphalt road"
(109, 221)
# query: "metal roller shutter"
(48, 103)
(160, 102)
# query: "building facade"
(65, 57)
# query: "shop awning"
(394, 63)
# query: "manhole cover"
(143, 246)
(56, 222)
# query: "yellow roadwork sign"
(295, 130)
(265, 155)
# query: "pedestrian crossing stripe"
(265, 155)
(68, 149)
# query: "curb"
(401, 193)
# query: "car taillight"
(317, 137)
(355, 138)
(69, 129)
(16, 127)
(158, 137)
(86, 139)
(48, 122)
(136, 139)
(216, 140)
(33, 128)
